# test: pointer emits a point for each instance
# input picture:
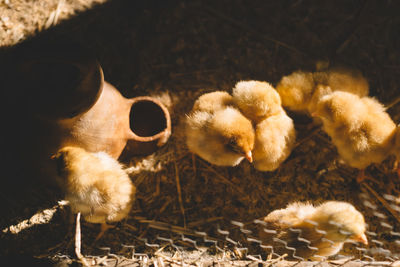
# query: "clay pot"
(139, 125)
(83, 110)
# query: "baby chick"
(301, 91)
(211, 102)
(319, 91)
(95, 185)
(274, 140)
(359, 127)
(217, 132)
(313, 232)
(296, 90)
(338, 79)
(343, 79)
(256, 100)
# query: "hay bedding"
(177, 51)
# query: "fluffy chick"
(359, 127)
(256, 100)
(219, 134)
(343, 79)
(298, 90)
(275, 137)
(211, 102)
(95, 185)
(313, 232)
(338, 79)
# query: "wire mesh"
(240, 243)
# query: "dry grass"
(177, 51)
(21, 19)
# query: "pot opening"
(146, 118)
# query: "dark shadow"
(115, 34)
(187, 45)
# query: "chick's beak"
(314, 114)
(249, 156)
(362, 239)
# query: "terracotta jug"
(69, 103)
(113, 121)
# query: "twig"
(352, 31)
(282, 257)
(199, 222)
(167, 201)
(383, 201)
(157, 191)
(340, 262)
(169, 259)
(194, 165)
(175, 229)
(393, 103)
(224, 179)
(78, 240)
(165, 226)
(182, 156)
(249, 29)
(308, 137)
(41, 217)
(133, 228)
(178, 188)
(177, 74)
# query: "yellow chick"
(211, 102)
(313, 232)
(359, 127)
(256, 100)
(338, 79)
(218, 132)
(95, 185)
(274, 140)
(343, 79)
(301, 91)
(296, 90)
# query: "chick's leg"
(397, 167)
(104, 227)
(361, 177)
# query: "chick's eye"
(329, 109)
(345, 232)
(233, 146)
(60, 163)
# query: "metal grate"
(238, 243)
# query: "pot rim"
(164, 134)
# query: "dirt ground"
(177, 50)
